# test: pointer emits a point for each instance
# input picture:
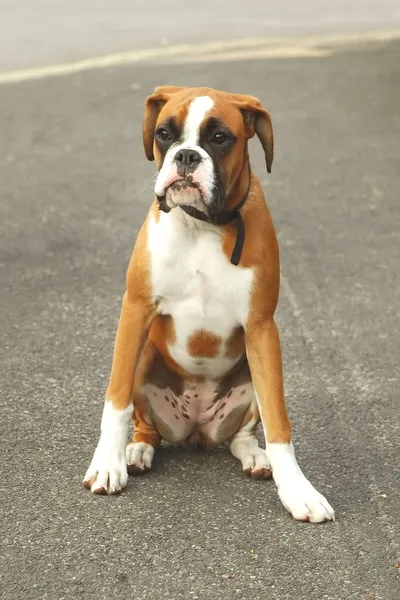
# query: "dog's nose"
(187, 159)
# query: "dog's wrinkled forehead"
(191, 115)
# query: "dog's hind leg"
(146, 438)
(244, 446)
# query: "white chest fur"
(196, 284)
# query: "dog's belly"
(200, 414)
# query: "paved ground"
(72, 174)
(46, 32)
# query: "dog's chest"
(195, 283)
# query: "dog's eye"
(163, 135)
(219, 138)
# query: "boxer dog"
(197, 355)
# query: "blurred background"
(52, 31)
(73, 193)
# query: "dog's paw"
(303, 501)
(255, 464)
(139, 457)
(107, 473)
(253, 458)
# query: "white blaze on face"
(197, 111)
(203, 176)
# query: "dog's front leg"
(107, 473)
(297, 494)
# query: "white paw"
(254, 459)
(139, 457)
(303, 501)
(255, 464)
(107, 473)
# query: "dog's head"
(198, 137)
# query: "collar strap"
(223, 218)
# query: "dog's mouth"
(184, 192)
(183, 184)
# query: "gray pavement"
(72, 171)
(45, 32)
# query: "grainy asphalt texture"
(71, 201)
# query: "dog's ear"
(153, 106)
(257, 121)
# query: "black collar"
(223, 218)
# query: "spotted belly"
(203, 413)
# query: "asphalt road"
(46, 32)
(72, 174)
